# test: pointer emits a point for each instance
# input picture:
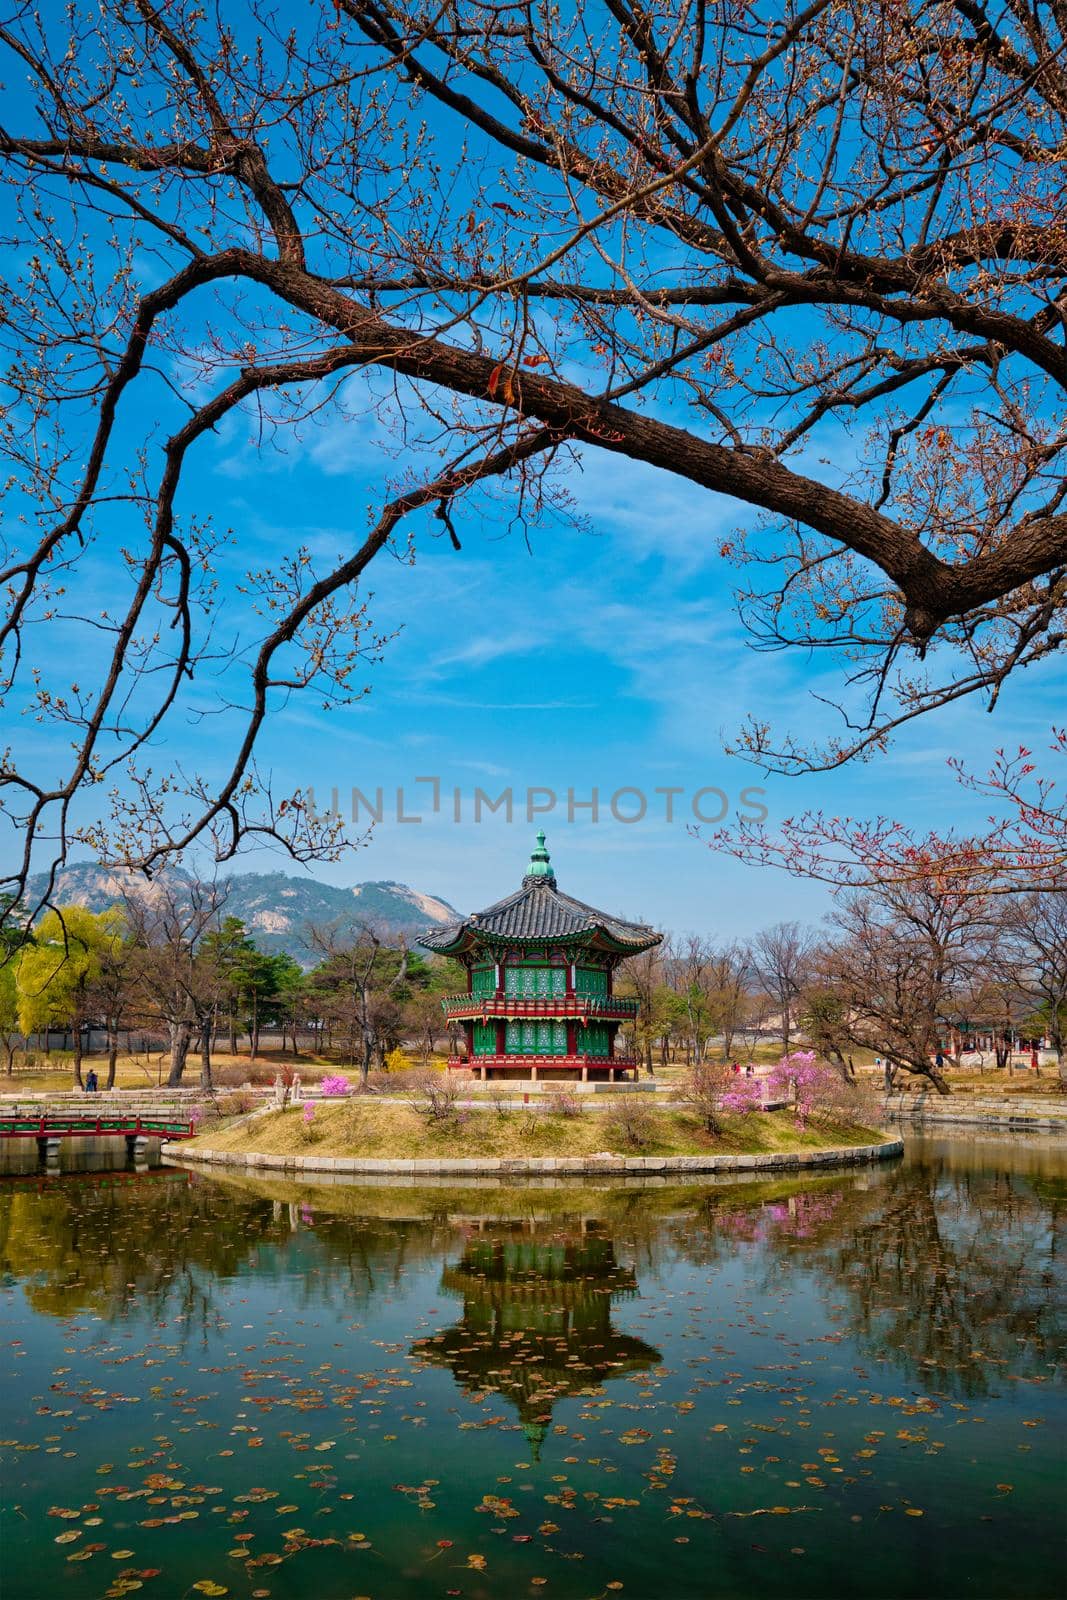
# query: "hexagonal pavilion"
(540, 965)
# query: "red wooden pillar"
(572, 1038)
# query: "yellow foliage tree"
(61, 972)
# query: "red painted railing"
(61, 1125)
(618, 1008)
(543, 1063)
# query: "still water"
(846, 1385)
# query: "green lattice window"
(483, 982)
(485, 1038)
(594, 1040)
(591, 983)
(536, 1039)
(535, 983)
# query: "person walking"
(91, 1081)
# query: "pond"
(840, 1385)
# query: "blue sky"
(600, 655)
(603, 652)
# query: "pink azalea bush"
(808, 1083)
(813, 1088)
(746, 1097)
(334, 1085)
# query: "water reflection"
(22, 1157)
(157, 1241)
(863, 1362)
(537, 1319)
(951, 1271)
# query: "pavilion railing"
(618, 1007)
(542, 1063)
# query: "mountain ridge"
(276, 907)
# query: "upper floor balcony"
(544, 1067)
(616, 1008)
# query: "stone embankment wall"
(1008, 1113)
(548, 1166)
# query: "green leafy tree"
(13, 938)
(60, 973)
(9, 1012)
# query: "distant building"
(540, 966)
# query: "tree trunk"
(112, 1055)
(179, 1050)
(205, 1054)
(233, 1033)
(77, 1042)
(10, 1048)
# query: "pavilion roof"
(539, 913)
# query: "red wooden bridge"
(52, 1123)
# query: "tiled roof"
(540, 911)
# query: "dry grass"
(149, 1071)
(365, 1127)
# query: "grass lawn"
(366, 1127)
(150, 1071)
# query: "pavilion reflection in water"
(537, 1319)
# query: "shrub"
(499, 1097)
(818, 1092)
(237, 1103)
(565, 1102)
(307, 1124)
(231, 1074)
(335, 1085)
(436, 1095)
(530, 1121)
(632, 1122)
(742, 1096)
(396, 1061)
(703, 1089)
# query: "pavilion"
(540, 966)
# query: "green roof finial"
(540, 868)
